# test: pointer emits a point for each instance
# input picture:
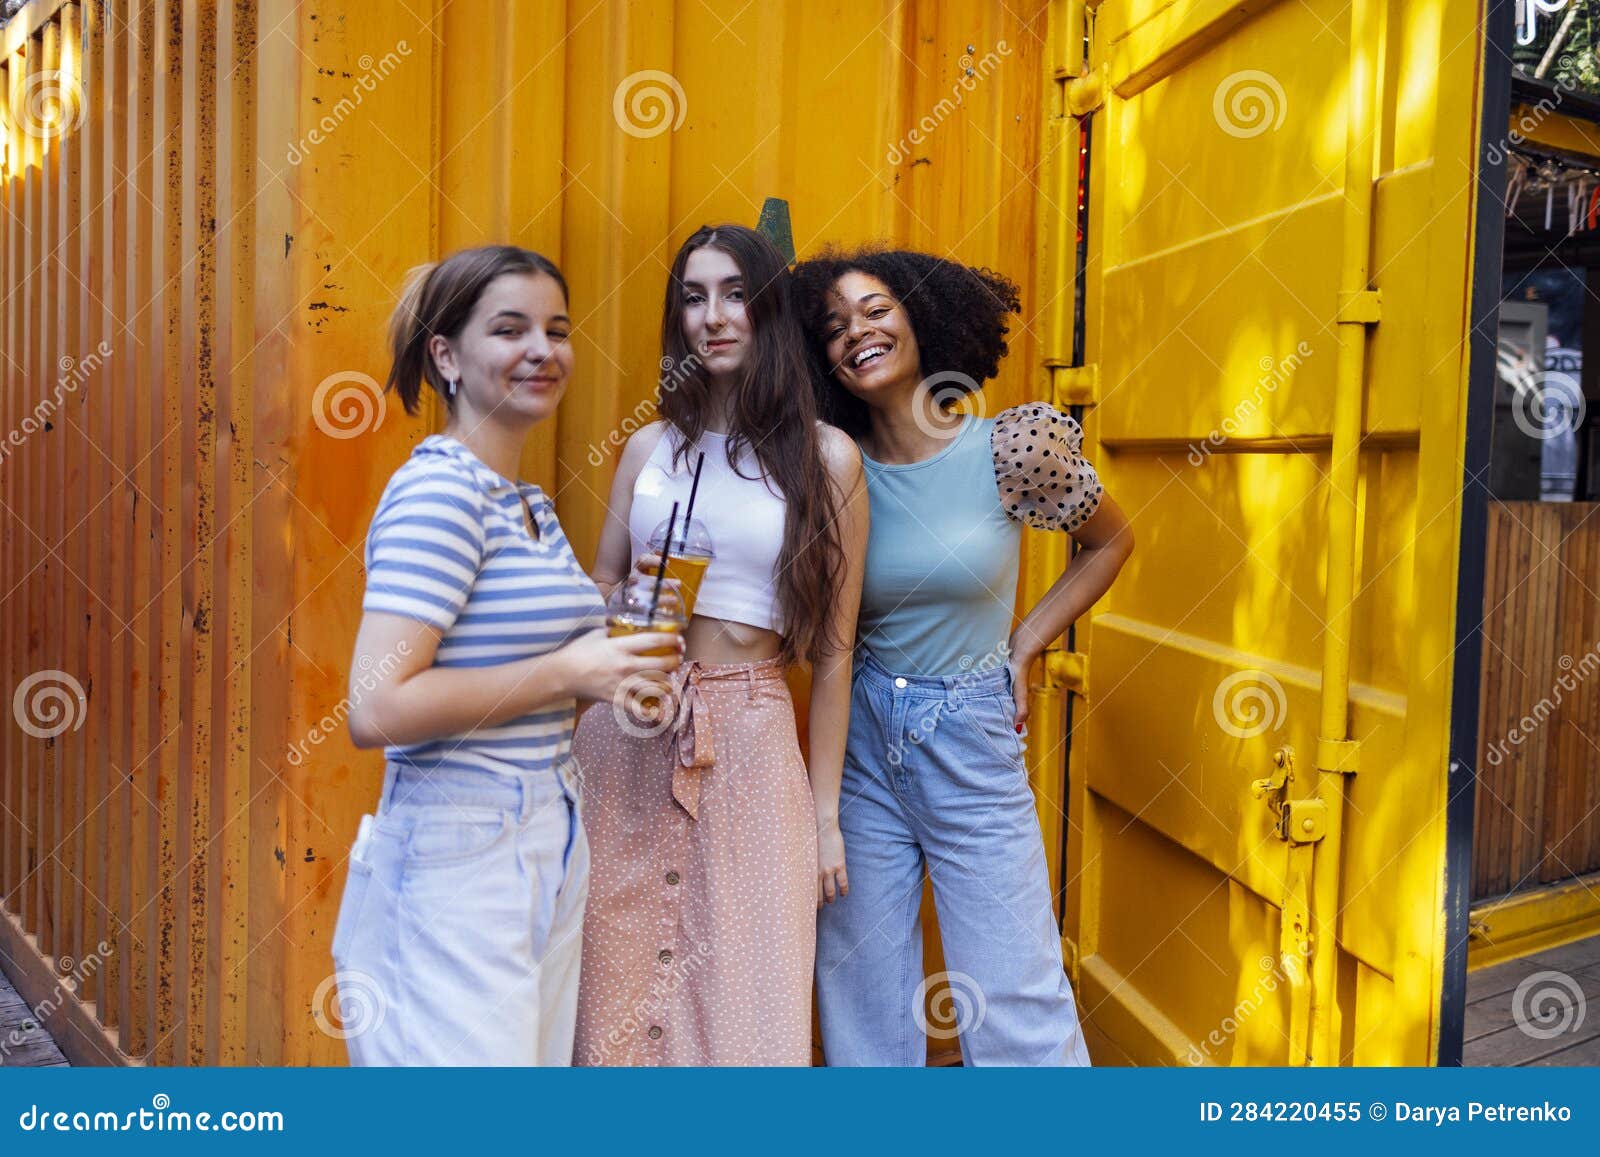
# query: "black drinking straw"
(661, 571)
(693, 490)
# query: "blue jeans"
(934, 779)
(460, 932)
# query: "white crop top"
(744, 516)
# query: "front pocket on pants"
(456, 836)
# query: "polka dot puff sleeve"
(1044, 480)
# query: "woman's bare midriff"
(722, 641)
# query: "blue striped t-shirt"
(448, 546)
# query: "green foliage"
(1577, 62)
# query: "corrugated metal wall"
(209, 207)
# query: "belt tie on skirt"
(693, 742)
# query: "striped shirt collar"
(489, 481)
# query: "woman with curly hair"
(714, 842)
(934, 778)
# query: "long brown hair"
(438, 299)
(773, 415)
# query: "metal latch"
(1299, 821)
(1303, 821)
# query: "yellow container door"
(1273, 381)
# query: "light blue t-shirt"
(942, 560)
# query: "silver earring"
(452, 386)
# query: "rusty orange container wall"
(209, 210)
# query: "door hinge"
(1362, 308)
(1338, 754)
(1085, 93)
(1068, 670)
(1074, 385)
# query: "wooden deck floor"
(23, 1040)
(1556, 1021)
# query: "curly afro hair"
(957, 312)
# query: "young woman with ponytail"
(460, 927)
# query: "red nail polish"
(1019, 729)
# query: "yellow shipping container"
(210, 207)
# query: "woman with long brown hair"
(713, 842)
